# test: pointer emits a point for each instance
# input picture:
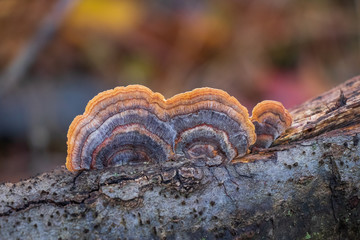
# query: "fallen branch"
(305, 186)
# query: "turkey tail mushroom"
(270, 119)
(126, 125)
(211, 125)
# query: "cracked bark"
(305, 186)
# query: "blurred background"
(55, 55)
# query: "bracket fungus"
(209, 124)
(132, 125)
(270, 119)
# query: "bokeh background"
(55, 55)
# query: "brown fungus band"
(132, 125)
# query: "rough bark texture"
(304, 187)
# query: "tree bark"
(306, 186)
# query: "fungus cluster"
(132, 125)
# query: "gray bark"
(306, 186)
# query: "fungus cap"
(270, 119)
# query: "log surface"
(306, 186)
